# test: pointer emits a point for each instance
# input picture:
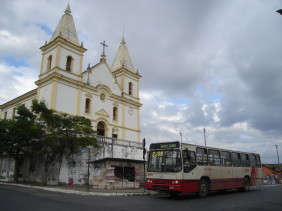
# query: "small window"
(69, 63)
(236, 159)
(202, 157)
(214, 157)
(87, 105)
(125, 173)
(115, 113)
(258, 163)
(226, 158)
(245, 160)
(49, 64)
(130, 87)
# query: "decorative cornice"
(19, 99)
(56, 76)
(127, 71)
(61, 40)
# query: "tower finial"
(123, 40)
(68, 9)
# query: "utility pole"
(205, 137)
(277, 153)
(180, 133)
(88, 168)
(144, 154)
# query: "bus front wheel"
(203, 188)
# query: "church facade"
(107, 95)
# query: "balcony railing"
(115, 141)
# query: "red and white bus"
(186, 168)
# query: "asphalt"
(82, 190)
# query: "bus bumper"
(163, 187)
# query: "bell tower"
(61, 60)
(63, 53)
(125, 73)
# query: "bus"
(175, 167)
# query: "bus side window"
(258, 163)
(202, 158)
(226, 158)
(252, 161)
(236, 159)
(214, 157)
(192, 158)
(245, 160)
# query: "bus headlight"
(174, 182)
(149, 181)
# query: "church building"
(106, 94)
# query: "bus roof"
(176, 144)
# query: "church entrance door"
(101, 129)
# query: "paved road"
(18, 198)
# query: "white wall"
(66, 99)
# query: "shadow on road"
(194, 196)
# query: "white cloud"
(213, 65)
(16, 81)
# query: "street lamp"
(205, 136)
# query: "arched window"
(49, 64)
(87, 105)
(100, 129)
(115, 113)
(69, 63)
(130, 87)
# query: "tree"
(64, 134)
(41, 132)
(18, 135)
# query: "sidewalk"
(82, 190)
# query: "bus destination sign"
(168, 145)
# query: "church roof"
(123, 58)
(66, 28)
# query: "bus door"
(189, 171)
(215, 169)
(226, 171)
(237, 169)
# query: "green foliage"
(43, 132)
(63, 133)
(18, 135)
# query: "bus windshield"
(164, 161)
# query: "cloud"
(204, 64)
(15, 81)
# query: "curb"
(76, 191)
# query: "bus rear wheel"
(203, 188)
(246, 187)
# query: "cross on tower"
(104, 45)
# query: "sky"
(205, 64)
